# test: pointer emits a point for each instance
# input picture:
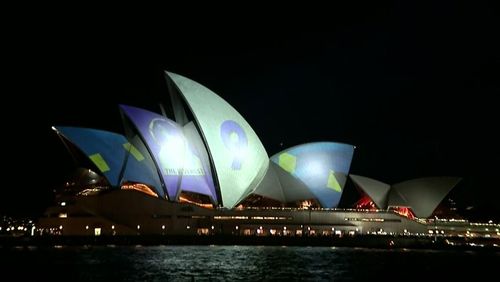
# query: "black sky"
(412, 87)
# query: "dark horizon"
(414, 94)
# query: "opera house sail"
(239, 157)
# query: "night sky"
(412, 87)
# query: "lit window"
(203, 231)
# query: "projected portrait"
(171, 145)
(235, 140)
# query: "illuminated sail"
(110, 152)
(239, 157)
(180, 160)
(321, 168)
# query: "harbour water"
(239, 263)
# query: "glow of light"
(138, 227)
(213, 227)
(172, 151)
(60, 227)
(63, 204)
(163, 227)
(183, 199)
(236, 227)
(112, 227)
(365, 203)
(405, 211)
(315, 168)
(187, 227)
(139, 187)
(284, 228)
(86, 227)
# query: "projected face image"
(176, 155)
(235, 140)
(171, 144)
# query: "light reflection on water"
(237, 263)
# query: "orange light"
(141, 188)
(186, 200)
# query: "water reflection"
(237, 263)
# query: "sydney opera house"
(203, 170)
